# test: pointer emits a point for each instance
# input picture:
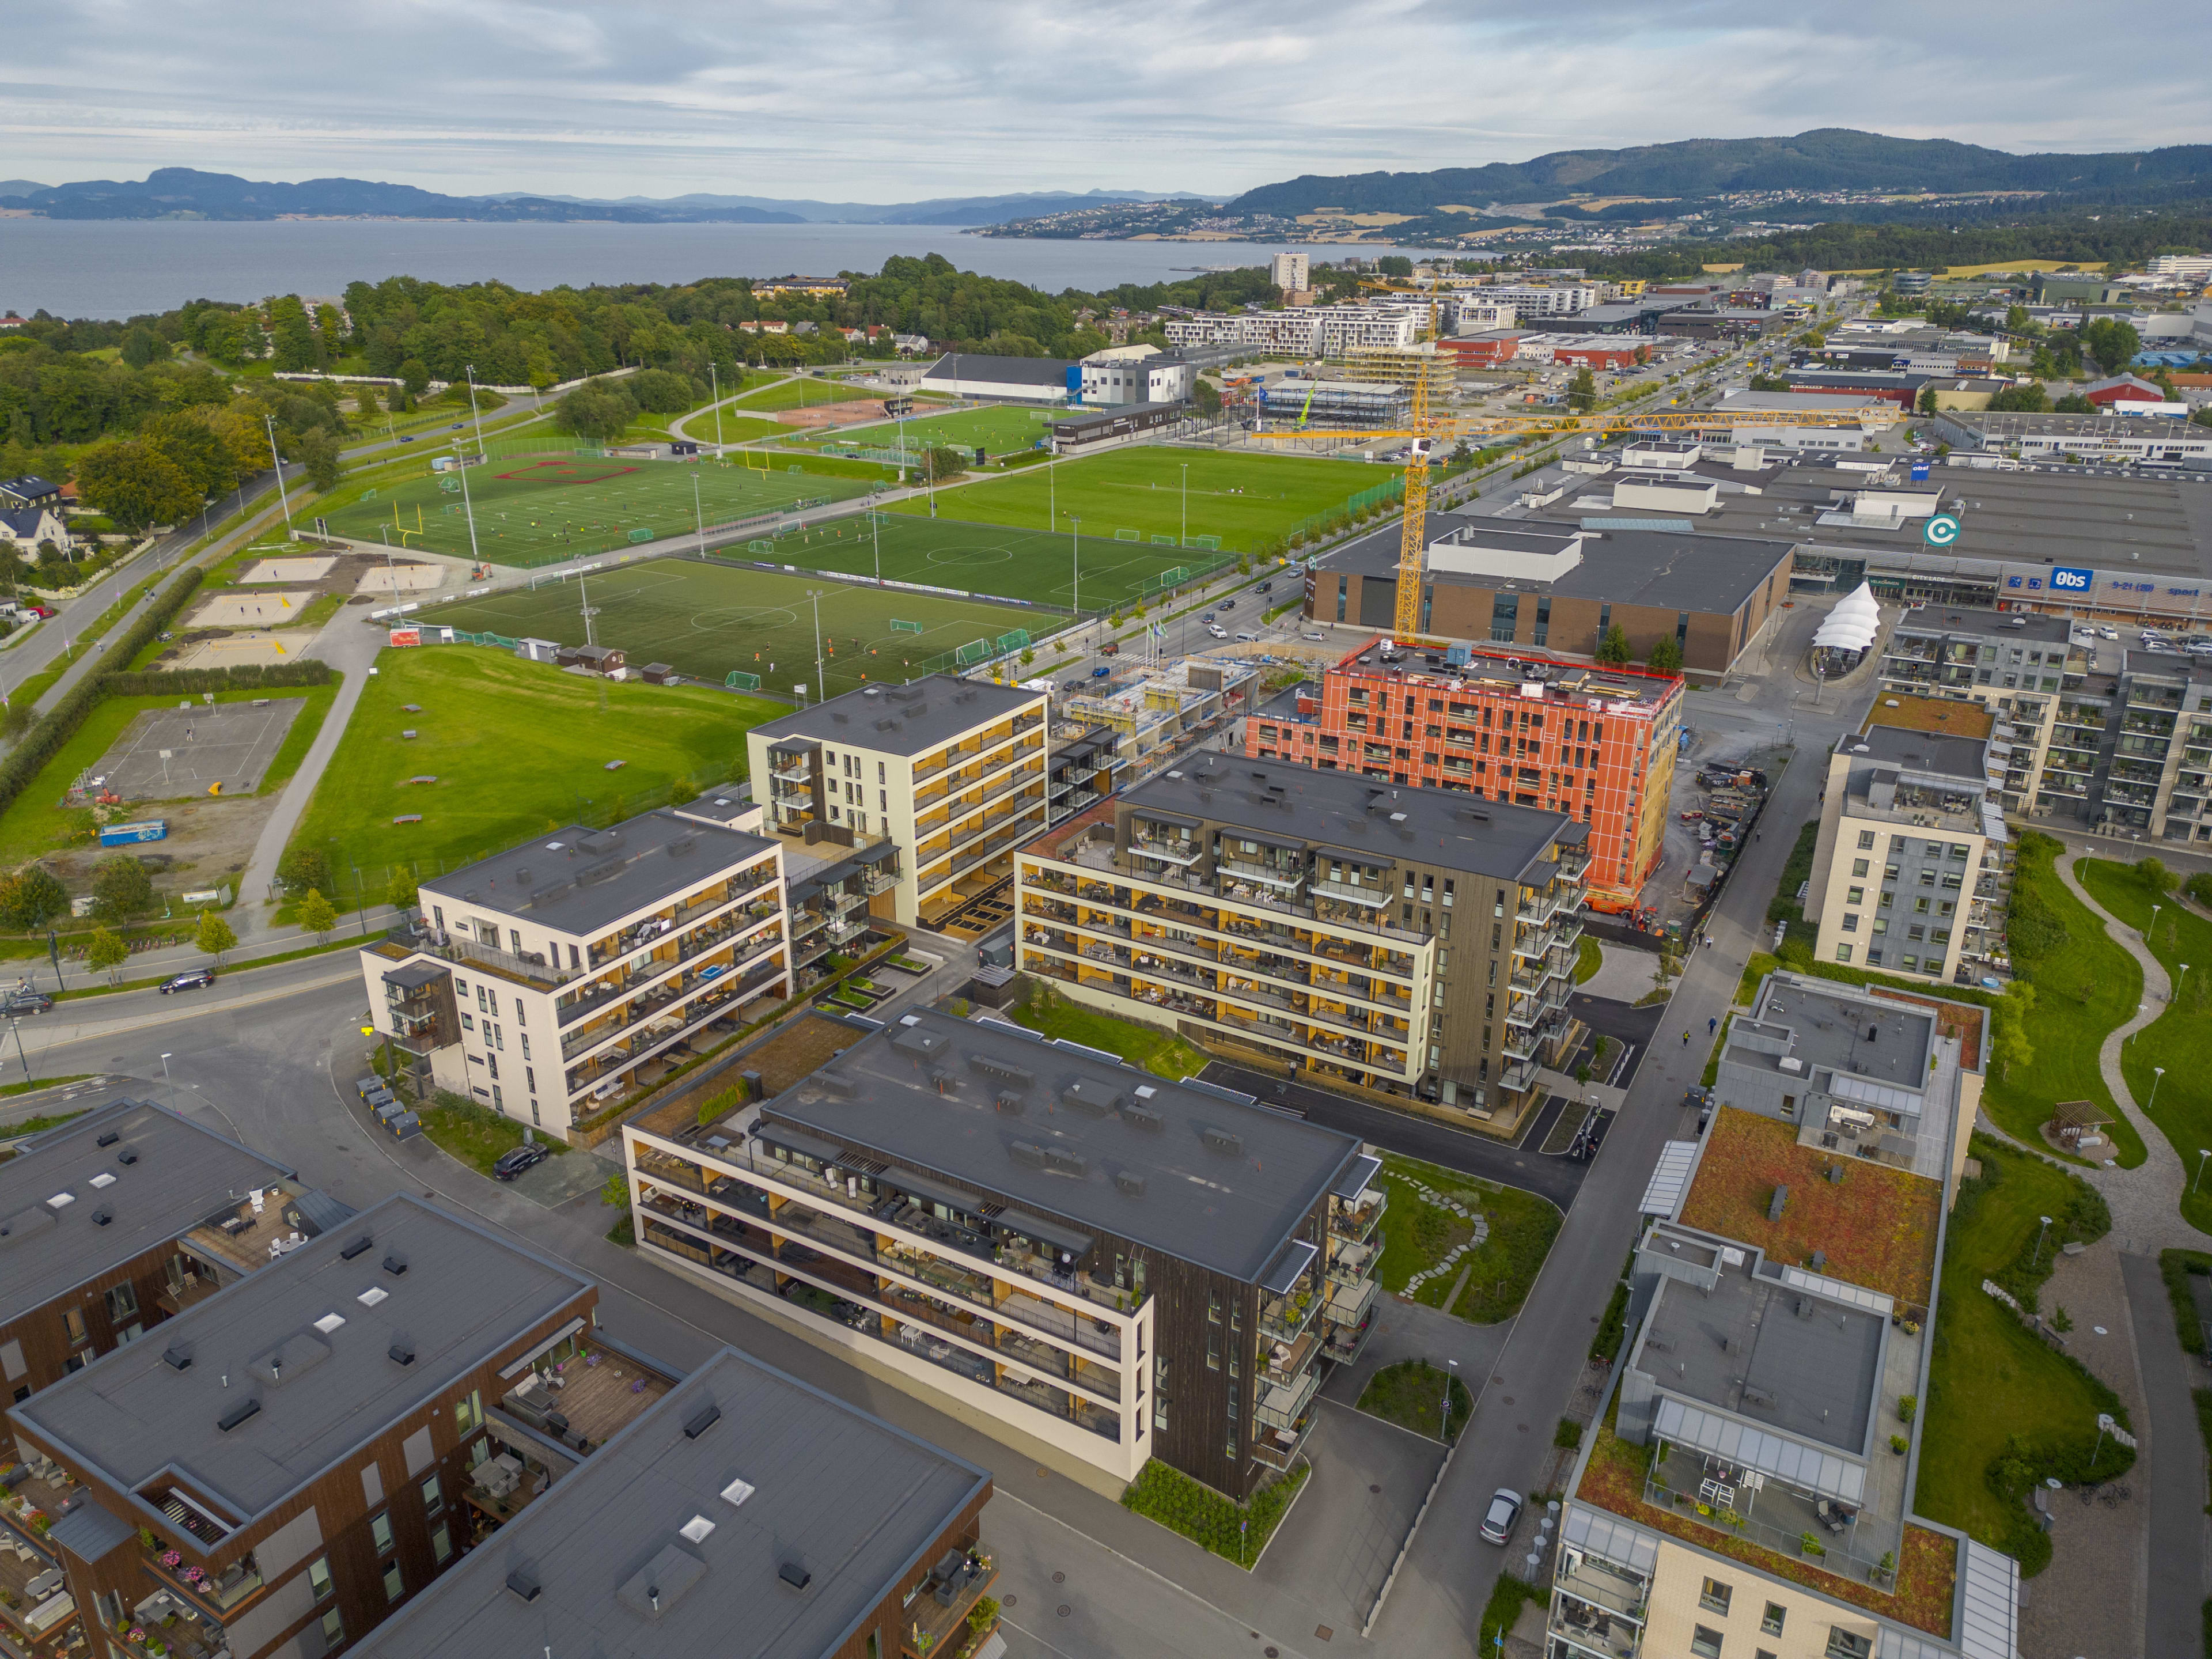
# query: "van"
(1246, 636)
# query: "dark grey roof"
(1228, 1210)
(30, 487)
(724, 805)
(464, 1296)
(2015, 625)
(320, 1213)
(903, 720)
(578, 880)
(1827, 1027)
(1936, 753)
(1443, 827)
(842, 1495)
(183, 1174)
(89, 1532)
(2167, 665)
(1006, 371)
(1669, 570)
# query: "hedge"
(245, 676)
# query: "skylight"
(372, 1296)
(696, 1528)
(329, 1322)
(735, 1494)
(103, 1179)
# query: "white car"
(1217, 631)
(2108, 633)
(1314, 634)
(1497, 1520)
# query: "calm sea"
(120, 268)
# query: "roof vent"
(109, 1139)
(794, 1575)
(105, 1178)
(401, 1352)
(1130, 1183)
(238, 1414)
(524, 1583)
(373, 1295)
(700, 1424)
(1061, 1161)
(1010, 1105)
(1027, 1151)
(1092, 1099)
(126, 1156)
(360, 1246)
(102, 1216)
(1144, 1117)
(1221, 1140)
(178, 1356)
(394, 1263)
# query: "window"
(1858, 867)
(441, 1543)
(318, 1577)
(433, 1495)
(73, 1323)
(1855, 895)
(333, 1628)
(1866, 840)
(122, 1304)
(1713, 1596)
(1847, 1644)
(1771, 1623)
(395, 1586)
(379, 1533)
(468, 1413)
(1851, 921)
(526, 1041)
(1704, 1643)
(1843, 953)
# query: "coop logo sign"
(2067, 578)
(1941, 531)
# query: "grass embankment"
(475, 1134)
(1410, 1394)
(1158, 1051)
(1235, 1532)
(1590, 956)
(37, 821)
(518, 748)
(1418, 1235)
(2005, 1409)
(2179, 1040)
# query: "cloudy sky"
(868, 100)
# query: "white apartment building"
(1290, 272)
(2182, 265)
(1484, 316)
(1135, 374)
(952, 770)
(554, 980)
(1302, 331)
(1561, 300)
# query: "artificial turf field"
(1243, 499)
(540, 509)
(708, 619)
(1003, 430)
(995, 561)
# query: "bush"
(1568, 1437)
(1236, 1532)
(304, 870)
(662, 391)
(1605, 1347)
(2199, 888)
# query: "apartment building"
(555, 979)
(744, 1515)
(952, 770)
(1742, 1495)
(295, 1447)
(2011, 663)
(1134, 722)
(1556, 299)
(1309, 916)
(117, 1220)
(1290, 272)
(1002, 1224)
(1404, 720)
(1909, 831)
(1299, 331)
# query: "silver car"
(1497, 1520)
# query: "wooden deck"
(601, 1392)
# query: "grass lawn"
(517, 748)
(1235, 1532)
(1992, 1380)
(1590, 956)
(2180, 1038)
(1410, 1394)
(539, 509)
(36, 822)
(1000, 430)
(1157, 1051)
(1243, 499)
(805, 393)
(476, 1135)
(1418, 1235)
(708, 619)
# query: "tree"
(214, 935)
(366, 400)
(1928, 399)
(402, 896)
(106, 955)
(1613, 650)
(302, 868)
(2111, 342)
(941, 461)
(661, 391)
(316, 914)
(2029, 399)
(2073, 403)
(596, 410)
(31, 898)
(1207, 396)
(202, 453)
(2154, 874)
(1666, 656)
(2017, 321)
(414, 377)
(1582, 390)
(137, 485)
(1394, 264)
(2010, 1043)
(317, 451)
(142, 346)
(121, 889)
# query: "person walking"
(1712, 1024)
(1686, 1038)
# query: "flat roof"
(1932, 752)
(1010, 371)
(841, 1494)
(1829, 1028)
(1984, 624)
(902, 719)
(926, 1093)
(1958, 717)
(181, 1175)
(1496, 671)
(463, 1295)
(2010, 425)
(1404, 823)
(578, 880)
(1669, 571)
(1752, 1347)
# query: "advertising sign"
(1942, 530)
(407, 636)
(2070, 579)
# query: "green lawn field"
(706, 619)
(805, 393)
(1242, 499)
(516, 747)
(994, 560)
(541, 509)
(999, 431)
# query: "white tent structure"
(1852, 626)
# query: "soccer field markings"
(740, 616)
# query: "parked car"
(1497, 1520)
(193, 979)
(19, 1003)
(512, 1162)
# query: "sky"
(875, 101)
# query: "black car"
(196, 979)
(18, 1003)
(512, 1162)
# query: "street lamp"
(2154, 909)
(2045, 1228)
(167, 1088)
(270, 423)
(475, 414)
(1182, 527)
(2158, 1076)
(2203, 1152)
(698, 515)
(2179, 982)
(1451, 1376)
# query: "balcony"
(1285, 1319)
(643, 974)
(649, 1006)
(936, 1622)
(1356, 1222)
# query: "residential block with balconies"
(990, 1218)
(953, 770)
(1405, 941)
(560, 977)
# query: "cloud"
(881, 101)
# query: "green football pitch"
(1243, 499)
(707, 619)
(540, 509)
(995, 561)
(1003, 430)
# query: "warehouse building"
(1004, 379)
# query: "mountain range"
(183, 192)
